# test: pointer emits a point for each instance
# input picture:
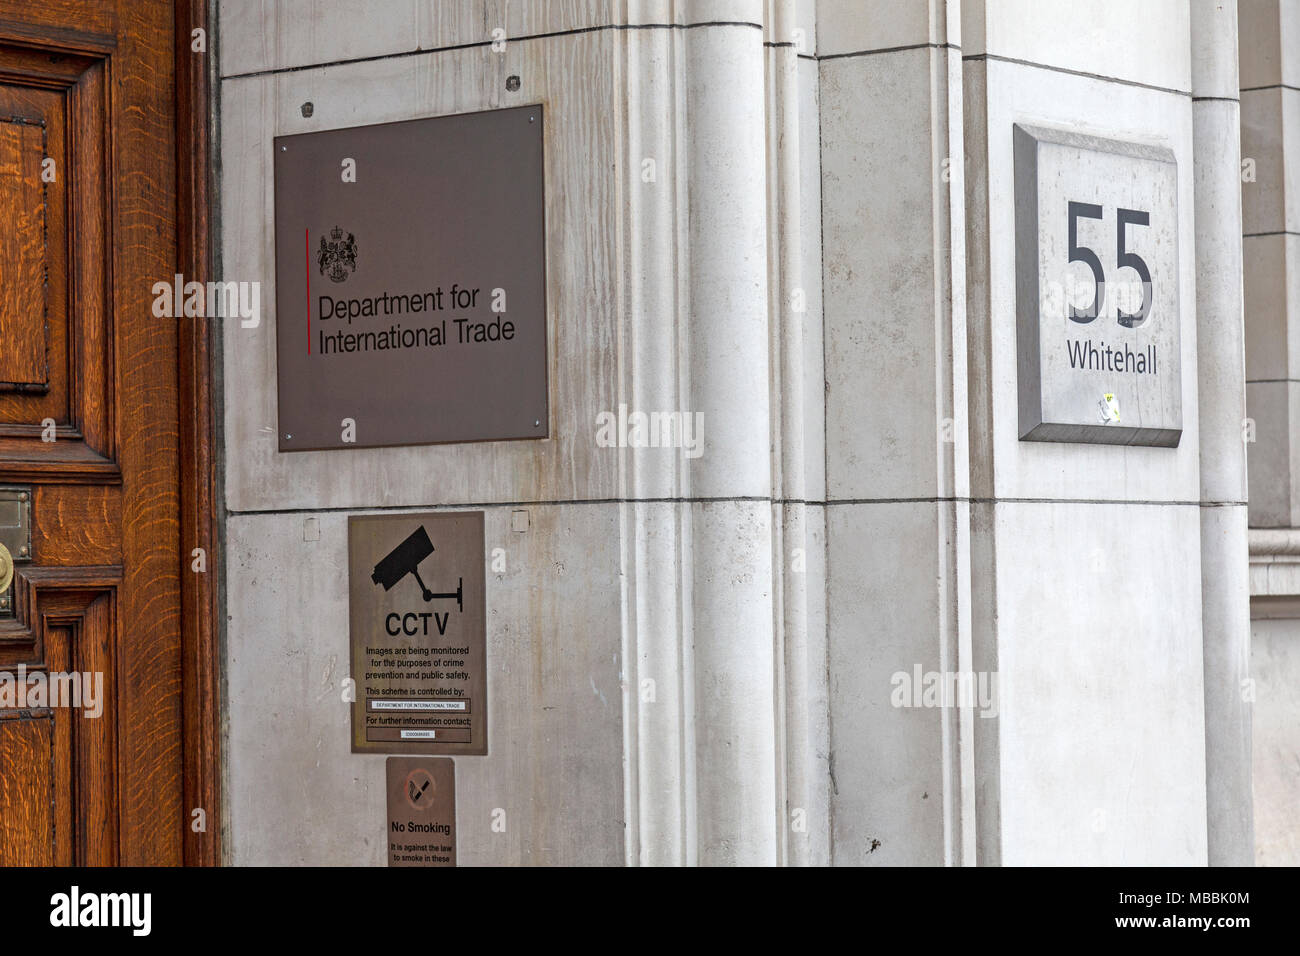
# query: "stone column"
(1225, 594)
(896, 438)
(1270, 189)
(698, 531)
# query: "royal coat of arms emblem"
(337, 256)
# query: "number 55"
(1123, 259)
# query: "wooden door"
(102, 438)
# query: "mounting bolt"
(22, 496)
(308, 109)
(512, 84)
(23, 551)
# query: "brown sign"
(421, 811)
(411, 282)
(418, 633)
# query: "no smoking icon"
(420, 788)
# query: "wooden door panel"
(33, 254)
(91, 85)
(65, 625)
(24, 253)
(59, 369)
(27, 789)
(77, 525)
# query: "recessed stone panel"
(1097, 303)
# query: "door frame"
(199, 524)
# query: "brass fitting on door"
(6, 569)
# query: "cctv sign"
(1097, 306)
(418, 633)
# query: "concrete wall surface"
(1275, 658)
(720, 659)
(1269, 56)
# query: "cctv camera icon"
(405, 559)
